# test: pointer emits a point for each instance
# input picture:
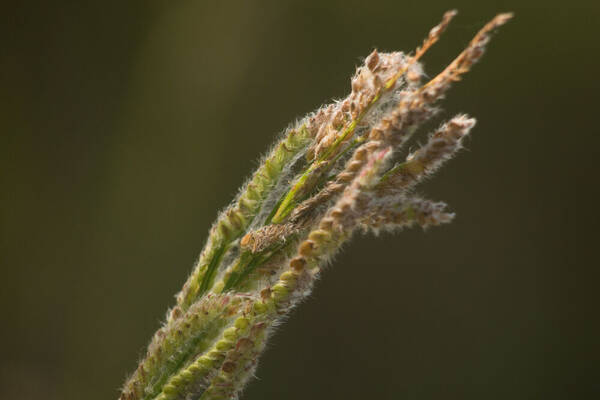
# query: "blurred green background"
(126, 125)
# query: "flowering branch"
(332, 173)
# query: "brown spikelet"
(469, 56)
(425, 213)
(434, 34)
(441, 146)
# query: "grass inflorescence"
(333, 173)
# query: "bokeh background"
(126, 125)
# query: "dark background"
(126, 125)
